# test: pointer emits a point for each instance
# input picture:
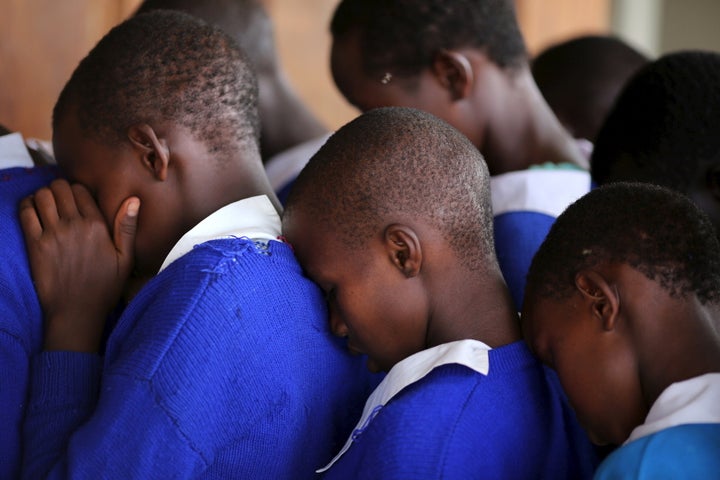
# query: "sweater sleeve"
(63, 391)
(13, 392)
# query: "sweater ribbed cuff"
(65, 376)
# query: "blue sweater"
(21, 319)
(456, 423)
(689, 451)
(223, 366)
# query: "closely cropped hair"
(403, 36)
(664, 126)
(165, 66)
(399, 162)
(246, 21)
(655, 230)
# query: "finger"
(86, 204)
(124, 231)
(45, 207)
(29, 221)
(64, 199)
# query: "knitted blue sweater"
(21, 319)
(223, 366)
(456, 423)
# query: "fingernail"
(133, 207)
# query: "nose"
(337, 325)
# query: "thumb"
(125, 228)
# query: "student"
(285, 121)
(21, 318)
(392, 219)
(623, 300)
(581, 77)
(465, 62)
(663, 130)
(222, 365)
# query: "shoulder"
(684, 451)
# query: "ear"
(154, 152)
(403, 247)
(603, 297)
(454, 72)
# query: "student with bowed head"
(392, 218)
(623, 300)
(222, 365)
(663, 130)
(465, 62)
(581, 77)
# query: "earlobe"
(603, 297)
(403, 247)
(455, 73)
(153, 151)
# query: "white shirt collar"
(13, 152)
(254, 218)
(470, 353)
(696, 400)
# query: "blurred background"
(41, 42)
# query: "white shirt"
(470, 353)
(13, 152)
(696, 400)
(254, 218)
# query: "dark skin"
(618, 342)
(404, 291)
(499, 109)
(132, 202)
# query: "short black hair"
(580, 78)
(247, 21)
(400, 161)
(4, 130)
(655, 230)
(403, 36)
(664, 126)
(165, 66)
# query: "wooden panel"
(41, 42)
(544, 22)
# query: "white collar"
(13, 152)
(254, 218)
(696, 400)
(470, 353)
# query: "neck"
(475, 308)
(530, 134)
(285, 120)
(690, 350)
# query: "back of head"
(165, 67)
(395, 163)
(580, 79)
(403, 36)
(663, 127)
(655, 230)
(246, 21)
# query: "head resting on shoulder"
(581, 77)
(623, 299)
(162, 108)
(393, 205)
(429, 55)
(663, 130)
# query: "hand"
(78, 269)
